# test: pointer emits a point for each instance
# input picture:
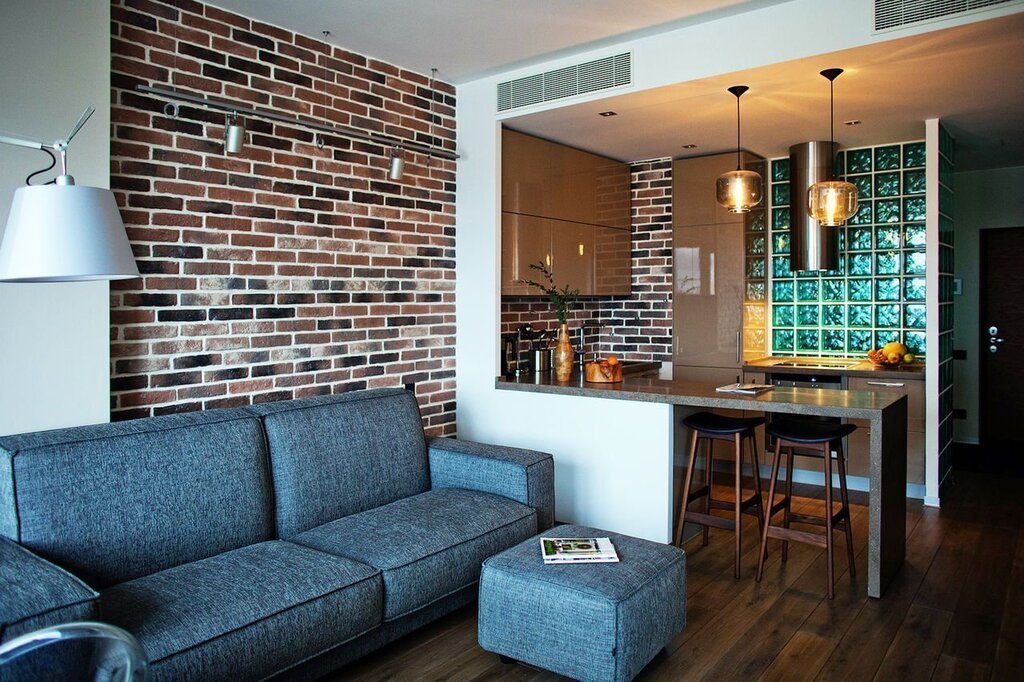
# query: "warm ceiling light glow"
(832, 202)
(738, 190)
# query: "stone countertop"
(865, 368)
(852, 404)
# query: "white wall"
(982, 200)
(54, 348)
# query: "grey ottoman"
(585, 621)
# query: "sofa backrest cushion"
(112, 502)
(332, 456)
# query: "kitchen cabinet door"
(912, 388)
(613, 261)
(572, 255)
(524, 240)
(525, 174)
(707, 299)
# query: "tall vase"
(563, 355)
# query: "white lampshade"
(65, 233)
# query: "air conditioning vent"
(569, 81)
(895, 13)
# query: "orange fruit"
(612, 360)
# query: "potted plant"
(561, 300)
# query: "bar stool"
(828, 435)
(709, 427)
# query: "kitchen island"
(632, 491)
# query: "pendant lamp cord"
(832, 122)
(738, 132)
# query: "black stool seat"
(809, 431)
(709, 422)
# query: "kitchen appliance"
(527, 351)
(812, 246)
(823, 382)
(817, 364)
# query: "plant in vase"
(561, 300)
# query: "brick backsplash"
(634, 327)
(288, 270)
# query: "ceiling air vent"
(569, 81)
(896, 13)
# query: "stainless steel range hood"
(811, 246)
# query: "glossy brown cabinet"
(708, 256)
(858, 444)
(567, 208)
(591, 258)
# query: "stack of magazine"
(748, 389)
(577, 550)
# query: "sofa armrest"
(525, 476)
(37, 594)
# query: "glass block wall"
(755, 295)
(878, 294)
(945, 298)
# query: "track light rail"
(244, 109)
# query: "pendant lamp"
(834, 201)
(738, 190)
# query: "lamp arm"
(18, 142)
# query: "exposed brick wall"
(288, 270)
(638, 326)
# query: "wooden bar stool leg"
(755, 467)
(768, 515)
(828, 519)
(709, 458)
(686, 489)
(789, 499)
(846, 507)
(738, 507)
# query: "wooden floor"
(954, 612)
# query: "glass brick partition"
(878, 294)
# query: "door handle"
(887, 384)
(993, 339)
(738, 347)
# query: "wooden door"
(1001, 348)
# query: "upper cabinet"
(551, 180)
(567, 208)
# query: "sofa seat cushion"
(428, 545)
(246, 613)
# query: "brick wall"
(634, 327)
(288, 270)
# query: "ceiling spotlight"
(607, 113)
(852, 122)
(689, 146)
(396, 164)
(234, 134)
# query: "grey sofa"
(284, 539)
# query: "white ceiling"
(469, 39)
(971, 77)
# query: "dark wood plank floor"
(954, 612)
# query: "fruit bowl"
(608, 371)
(892, 355)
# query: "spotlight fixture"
(738, 190)
(234, 134)
(396, 164)
(606, 114)
(689, 146)
(832, 202)
(852, 122)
